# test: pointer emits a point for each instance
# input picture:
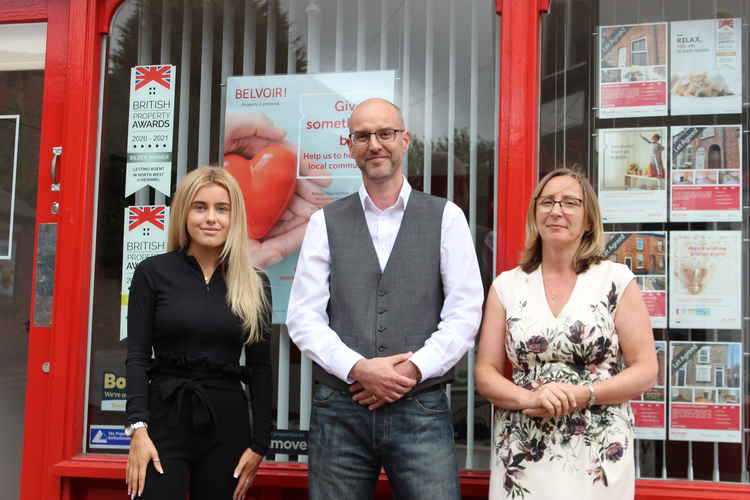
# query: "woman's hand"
(246, 469)
(556, 399)
(142, 451)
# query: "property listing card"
(706, 279)
(632, 174)
(706, 173)
(650, 409)
(633, 70)
(706, 70)
(646, 256)
(705, 391)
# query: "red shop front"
(499, 91)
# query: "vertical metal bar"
(184, 111)
(339, 64)
(164, 58)
(282, 396)
(145, 46)
(207, 55)
(428, 91)
(291, 56)
(313, 47)
(361, 36)
(384, 34)
(227, 65)
(637, 457)
(450, 169)
(271, 21)
(496, 172)
(405, 77)
(248, 49)
(473, 136)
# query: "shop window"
(587, 108)
(443, 56)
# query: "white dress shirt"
(307, 317)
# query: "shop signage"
(150, 127)
(290, 442)
(706, 69)
(705, 391)
(108, 437)
(286, 137)
(144, 235)
(706, 173)
(114, 394)
(706, 289)
(632, 174)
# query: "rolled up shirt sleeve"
(464, 295)
(307, 316)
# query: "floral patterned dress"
(587, 454)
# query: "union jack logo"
(161, 74)
(726, 22)
(139, 215)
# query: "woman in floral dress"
(577, 333)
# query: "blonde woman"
(577, 333)
(196, 306)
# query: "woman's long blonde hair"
(245, 295)
(590, 250)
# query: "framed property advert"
(706, 67)
(645, 254)
(633, 70)
(632, 174)
(650, 409)
(705, 391)
(706, 173)
(705, 289)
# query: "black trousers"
(199, 460)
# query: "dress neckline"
(543, 295)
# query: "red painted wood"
(107, 10)
(23, 11)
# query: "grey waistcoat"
(384, 313)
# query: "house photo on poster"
(705, 391)
(705, 289)
(706, 173)
(632, 174)
(300, 164)
(706, 67)
(649, 410)
(645, 254)
(633, 70)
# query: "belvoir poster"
(632, 174)
(705, 269)
(706, 173)
(285, 141)
(633, 70)
(706, 70)
(705, 391)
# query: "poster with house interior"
(632, 174)
(646, 256)
(704, 394)
(706, 173)
(705, 270)
(633, 70)
(649, 410)
(706, 67)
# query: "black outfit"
(190, 393)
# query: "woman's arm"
(633, 327)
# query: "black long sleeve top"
(192, 330)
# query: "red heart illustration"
(267, 181)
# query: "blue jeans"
(412, 439)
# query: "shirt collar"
(401, 201)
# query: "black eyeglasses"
(568, 204)
(383, 135)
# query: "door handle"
(56, 153)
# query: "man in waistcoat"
(386, 299)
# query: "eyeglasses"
(568, 205)
(384, 135)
